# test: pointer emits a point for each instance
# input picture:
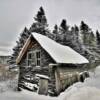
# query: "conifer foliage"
(19, 44)
(98, 38)
(40, 22)
(55, 33)
(63, 25)
(87, 34)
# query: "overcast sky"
(16, 14)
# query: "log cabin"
(42, 55)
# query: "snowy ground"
(89, 90)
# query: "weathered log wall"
(64, 76)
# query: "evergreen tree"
(84, 27)
(63, 26)
(23, 36)
(40, 17)
(74, 40)
(19, 44)
(75, 34)
(76, 31)
(92, 39)
(98, 38)
(76, 28)
(64, 32)
(40, 25)
(56, 33)
(85, 31)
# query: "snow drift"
(89, 90)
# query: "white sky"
(16, 14)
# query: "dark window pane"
(38, 62)
(38, 54)
(29, 62)
(29, 56)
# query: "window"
(29, 58)
(34, 58)
(38, 58)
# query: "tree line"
(81, 38)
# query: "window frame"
(37, 57)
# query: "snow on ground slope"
(7, 85)
(89, 90)
(24, 95)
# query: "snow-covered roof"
(60, 53)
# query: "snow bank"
(24, 95)
(85, 93)
(89, 90)
(8, 85)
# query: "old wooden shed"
(42, 55)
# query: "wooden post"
(54, 69)
(58, 82)
(18, 78)
(43, 84)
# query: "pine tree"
(89, 41)
(64, 32)
(63, 26)
(92, 39)
(19, 44)
(74, 38)
(40, 25)
(23, 36)
(56, 33)
(84, 27)
(98, 38)
(85, 31)
(76, 31)
(40, 17)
